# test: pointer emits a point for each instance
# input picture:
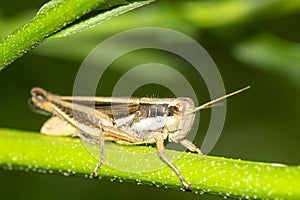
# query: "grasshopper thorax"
(180, 118)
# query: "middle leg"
(162, 155)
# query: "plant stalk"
(29, 151)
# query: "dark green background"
(262, 124)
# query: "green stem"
(53, 16)
(23, 150)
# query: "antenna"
(210, 103)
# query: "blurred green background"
(253, 43)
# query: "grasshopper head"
(180, 118)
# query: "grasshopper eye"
(173, 110)
(170, 111)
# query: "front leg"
(190, 146)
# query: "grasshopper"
(126, 121)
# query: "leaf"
(270, 53)
(49, 6)
(99, 19)
(211, 14)
(52, 17)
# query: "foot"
(95, 174)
